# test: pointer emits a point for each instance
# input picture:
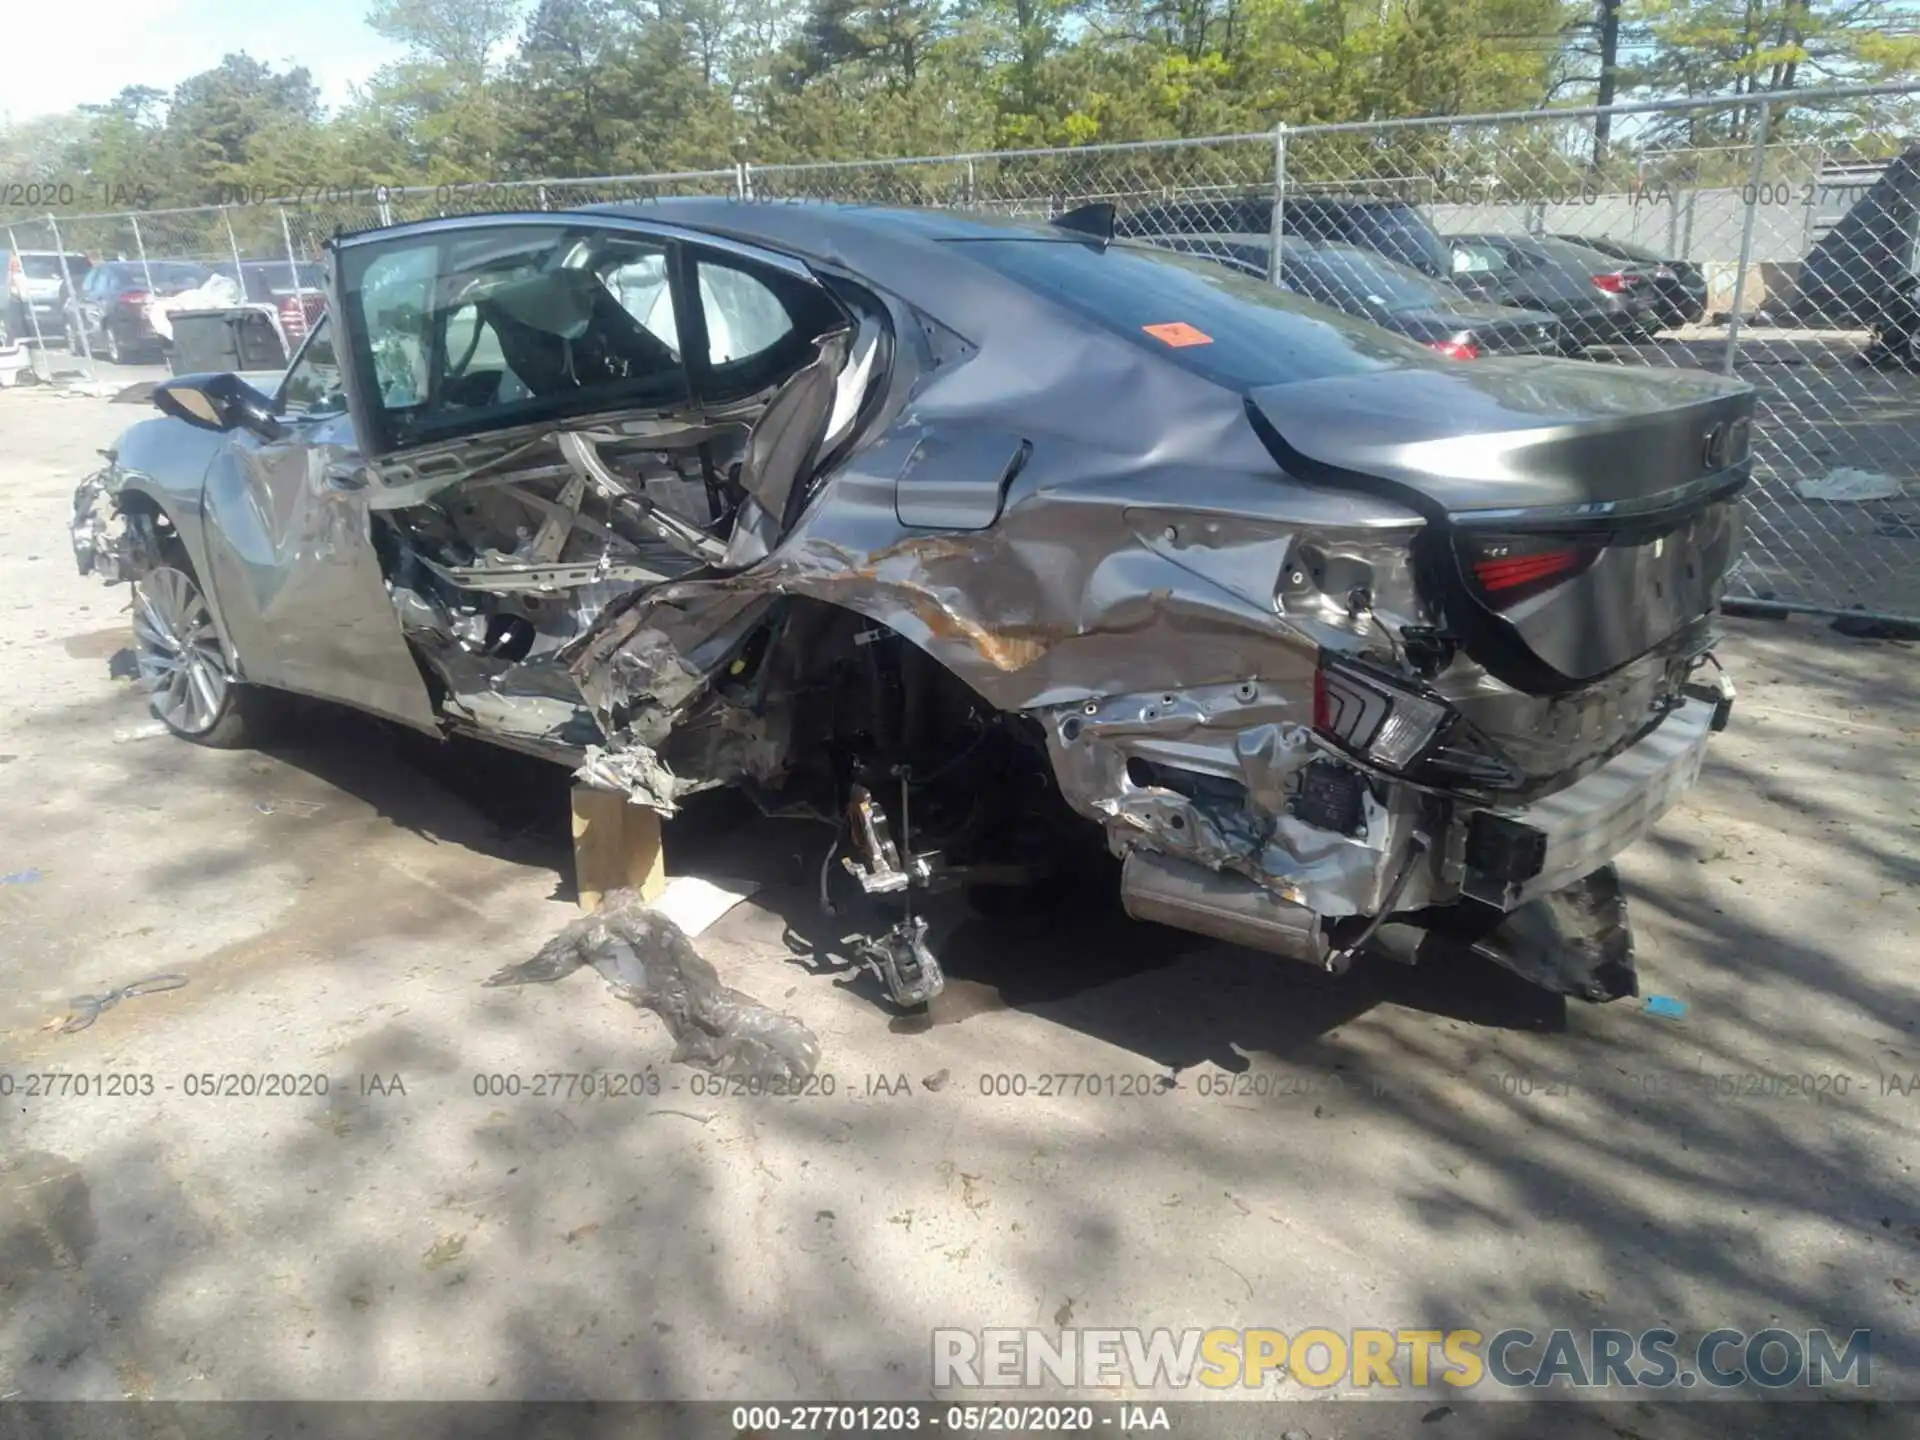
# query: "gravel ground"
(1398, 1148)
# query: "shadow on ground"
(607, 1271)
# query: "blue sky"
(161, 42)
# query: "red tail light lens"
(134, 297)
(1509, 570)
(1617, 283)
(1524, 569)
(1455, 349)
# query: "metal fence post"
(73, 299)
(1277, 225)
(293, 264)
(972, 193)
(1754, 172)
(746, 180)
(233, 247)
(140, 247)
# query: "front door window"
(313, 385)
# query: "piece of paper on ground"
(694, 903)
(1848, 483)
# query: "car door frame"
(676, 238)
(322, 622)
(293, 569)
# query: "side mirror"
(218, 402)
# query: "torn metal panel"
(648, 962)
(1209, 776)
(107, 542)
(633, 771)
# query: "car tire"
(182, 663)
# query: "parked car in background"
(296, 290)
(111, 308)
(1392, 228)
(1096, 549)
(1681, 286)
(1393, 296)
(1599, 299)
(35, 290)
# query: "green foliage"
(525, 89)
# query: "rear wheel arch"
(986, 656)
(869, 697)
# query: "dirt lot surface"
(1398, 1148)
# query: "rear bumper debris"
(1573, 832)
(1211, 797)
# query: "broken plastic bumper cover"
(1515, 856)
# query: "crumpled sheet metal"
(651, 964)
(93, 541)
(634, 771)
(1250, 734)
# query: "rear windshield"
(47, 267)
(164, 274)
(270, 276)
(1231, 329)
(1362, 278)
(1398, 231)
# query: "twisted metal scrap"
(650, 963)
(85, 1009)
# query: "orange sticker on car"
(1178, 334)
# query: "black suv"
(1392, 228)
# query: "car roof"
(772, 217)
(1607, 245)
(1573, 250)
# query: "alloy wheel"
(178, 652)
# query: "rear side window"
(1474, 257)
(461, 331)
(1233, 330)
(1398, 232)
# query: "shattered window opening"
(314, 386)
(475, 331)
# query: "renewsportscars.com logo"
(1320, 1359)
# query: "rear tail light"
(1616, 283)
(1456, 349)
(1372, 717)
(134, 297)
(1507, 571)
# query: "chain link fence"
(1774, 240)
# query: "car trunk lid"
(1582, 514)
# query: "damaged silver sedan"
(993, 544)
